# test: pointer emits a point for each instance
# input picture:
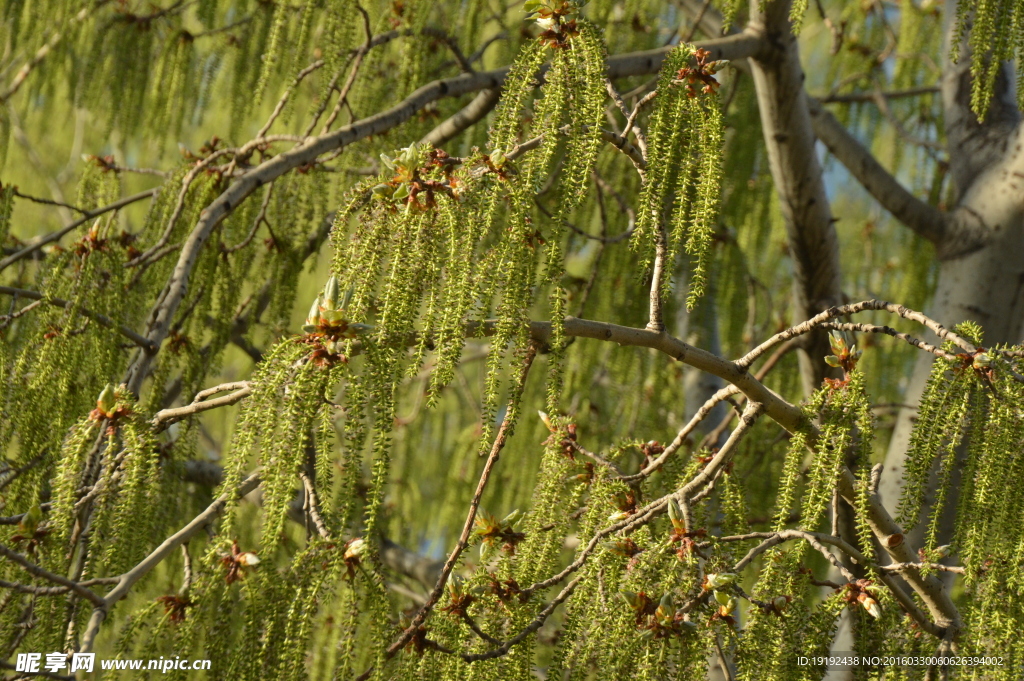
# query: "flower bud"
(780, 603)
(498, 158)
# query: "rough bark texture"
(786, 123)
(985, 284)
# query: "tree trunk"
(789, 138)
(984, 285)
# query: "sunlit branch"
(165, 417)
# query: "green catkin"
(684, 171)
(390, 436)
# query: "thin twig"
(43, 573)
(139, 340)
(453, 557)
(165, 417)
(853, 308)
(314, 506)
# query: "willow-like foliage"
(471, 459)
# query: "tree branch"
(128, 579)
(492, 459)
(786, 125)
(96, 317)
(162, 315)
(165, 417)
(43, 573)
(475, 111)
(38, 242)
(927, 221)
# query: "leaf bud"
(838, 342)
(355, 548)
(722, 597)
(30, 521)
(331, 294)
(247, 559)
(401, 192)
(107, 400)
(548, 23)
(632, 598)
(871, 605)
(720, 579)
(675, 514)
(313, 318)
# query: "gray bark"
(986, 283)
(789, 138)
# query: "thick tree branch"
(786, 124)
(162, 315)
(925, 220)
(475, 111)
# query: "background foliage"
(182, 181)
